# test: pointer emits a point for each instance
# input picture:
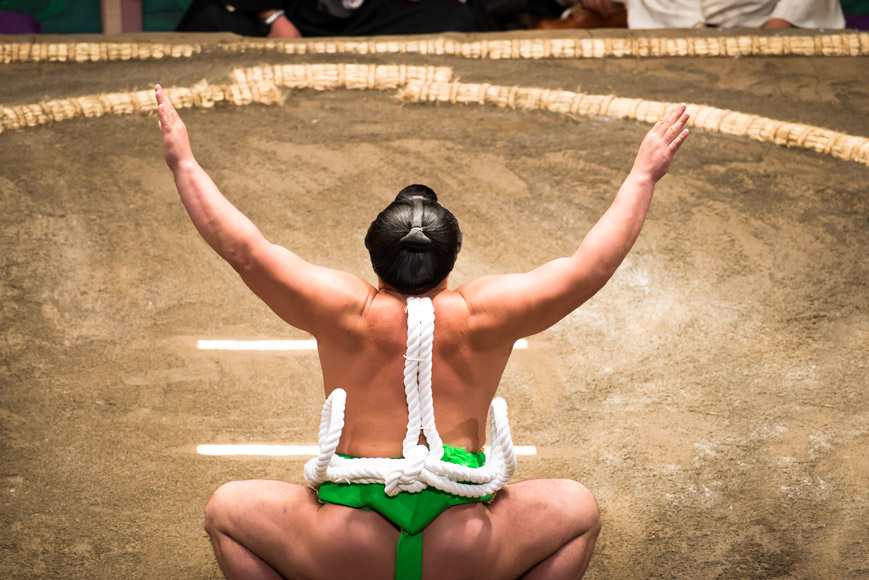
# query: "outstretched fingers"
(672, 117)
(673, 125)
(677, 142)
(176, 145)
(165, 111)
(659, 147)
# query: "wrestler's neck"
(384, 287)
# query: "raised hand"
(661, 143)
(176, 144)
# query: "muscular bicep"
(512, 306)
(309, 297)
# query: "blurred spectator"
(735, 14)
(590, 14)
(856, 14)
(292, 19)
(17, 23)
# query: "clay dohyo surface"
(712, 395)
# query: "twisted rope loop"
(420, 466)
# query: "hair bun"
(417, 190)
(415, 240)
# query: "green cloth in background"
(162, 15)
(855, 6)
(84, 16)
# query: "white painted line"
(273, 450)
(309, 344)
(523, 449)
(301, 450)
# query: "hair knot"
(416, 240)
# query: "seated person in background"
(735, 14)
(588, 14)
(303, 18)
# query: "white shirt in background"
(733, 13)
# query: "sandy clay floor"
(712, 396)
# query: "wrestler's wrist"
(184, 165)
(641, 176)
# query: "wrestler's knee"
(218, 506)
(579, 505)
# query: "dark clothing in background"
(372, 18)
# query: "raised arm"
(504, 308)
(306, 296)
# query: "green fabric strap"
(408, 557)
(411, 512)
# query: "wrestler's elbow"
(241, 262)
(242, 253)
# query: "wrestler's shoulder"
(451, 304)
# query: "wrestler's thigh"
(527, 522)
(286, 526)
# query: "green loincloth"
(411, 512)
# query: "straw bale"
(558, 101)
(497, 48)
(759, 128)
(58, 52)
(708, 118)
(22, 52)
(782, 135)
(837, 44)
(844, 146)
(129, 102)
(676, 47)
(144, 100)
(735, 123)
(527, 98)
(8, 119)
(731, 46)
(441, 46)
(239, 94)
(819, 140)
(514, 49)
(33, 115)
(351, 76)
(619, 47)
(798, 45)
(60, 109)
(703, 47)
(433, 84)
(623, 108)
(530, 49)
(772, 46)
(651, 111)
(90, 106)
(712, 119)
(862, 153)
(563, 48)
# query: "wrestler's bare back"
(370, 368)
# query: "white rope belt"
(420, 466)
